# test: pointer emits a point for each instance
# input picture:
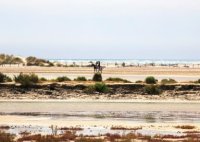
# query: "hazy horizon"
(99, 29)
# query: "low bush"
(139, 81)
(90, 89)
(198, 81)
(98, 87)
(43, 79)
(152, 90)
(118, 80)
(97, 77)
(168, 81)
(4, 78)
(80, 78)
(63, 78)
(151, 80)
(26, 79)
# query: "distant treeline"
(29, 61)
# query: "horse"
(97, 68)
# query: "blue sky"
(134, 29)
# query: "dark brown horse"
(97, 68)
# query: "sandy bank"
(126, 92)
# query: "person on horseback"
(97, 67)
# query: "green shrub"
(4, 78)
(152, 90)
(150, 80)
(98, 87)
(168, 81)
(63, 78)
(26, 79)
(101, 87)
(81, 78)
(97, 77)
(118, 80)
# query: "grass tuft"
(118, 80)
(168, 81)
(63, 78)
(80, 78)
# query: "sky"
(108, 29)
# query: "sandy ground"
(130, 73)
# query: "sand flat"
(130, 73)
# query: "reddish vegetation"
(125, 128)
(71, 129)
(49, 138)
(5, 127)
(171, 137)
(192, 132)
(5, 137)
(25, 133)
(71, 136)
(185, 127)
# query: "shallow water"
(32, 113)
(134, 111)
